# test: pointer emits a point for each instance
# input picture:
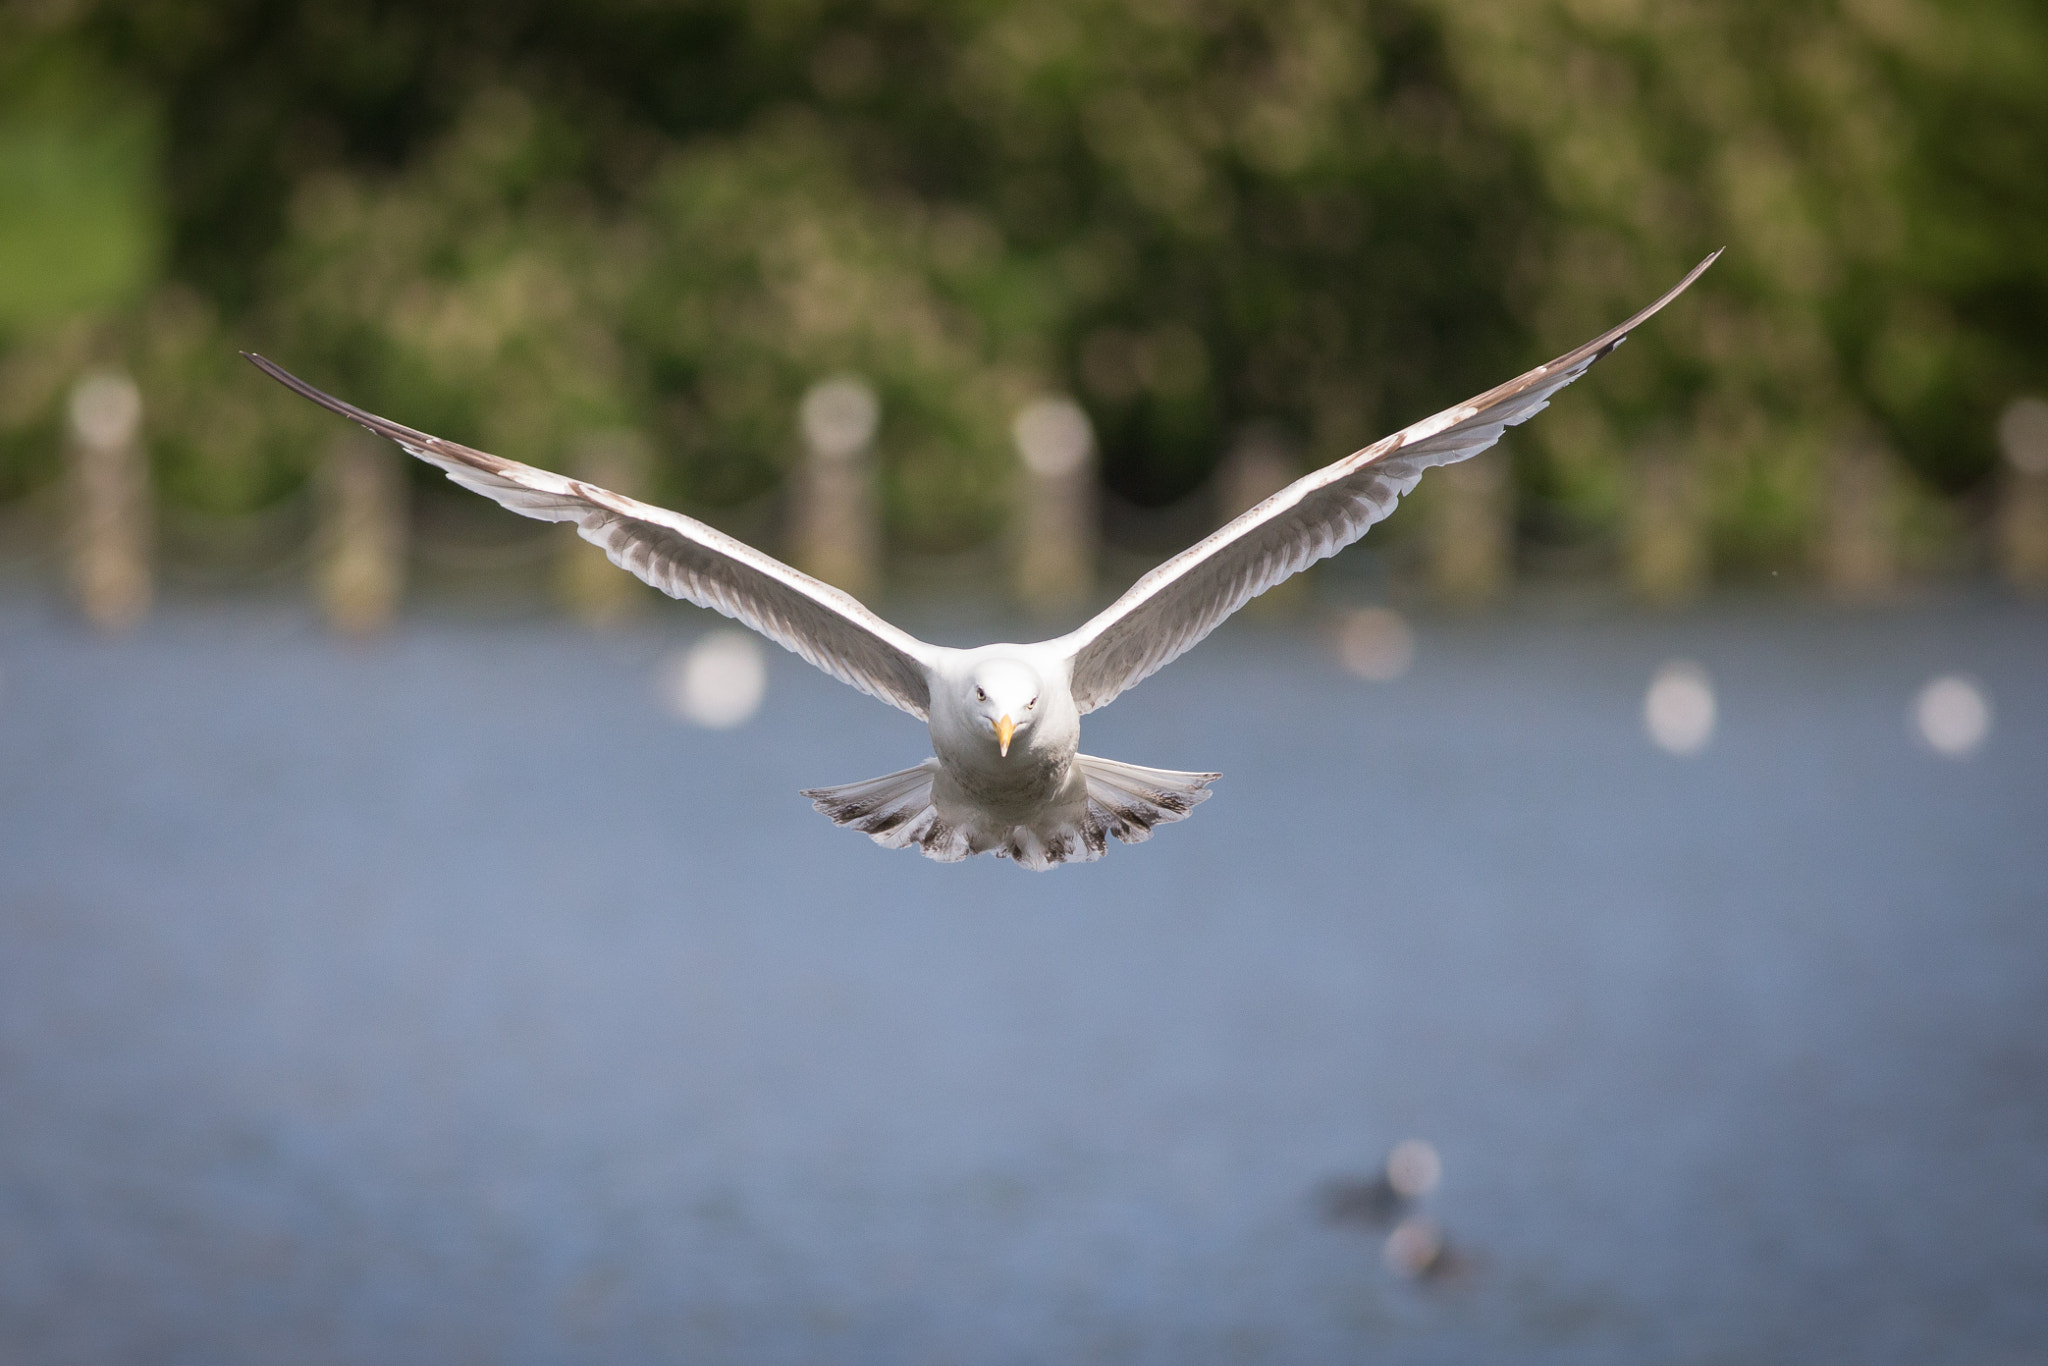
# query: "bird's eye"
(1032, 703)
(981, 695)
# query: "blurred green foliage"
(516, 222)
(79, 224)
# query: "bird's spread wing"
(1172, 608)
(683, 558)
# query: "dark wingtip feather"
(305, 390)
(381, 426)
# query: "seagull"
(1006, 774)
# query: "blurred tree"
(521, 221)
(1872, 166)
(78, 222)
(79, 234)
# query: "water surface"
(445, 999)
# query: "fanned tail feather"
(899, 811)
(1128, 799)
(896, 812)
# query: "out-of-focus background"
(1621, 933)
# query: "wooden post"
(838, 538)
(2023, 495)
(597, 592)
(1471, 530)
(362, 533)
(110, 506)
(1259, 466)
(1667, 545)
(1055, 564)
(1860, 545)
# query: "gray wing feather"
(1170, 610)
(683, 558)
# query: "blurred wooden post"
(1860, 546)
(837, 535)
(596, 591)
(1667, 545)
(1259, 466)
(1471, 530)
(110, 507)
(2023, 495)
(1055, 565)
(362, 533)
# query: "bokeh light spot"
(106, 410)
(1413, 1247)
(1376, 644)
(1953, 716)
(1413, 1168)
(1054, 437)
(2023, 433)
(839, 416)
(1679, 710)
(718, 682)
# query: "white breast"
(1038, 772)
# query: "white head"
(1006, 694)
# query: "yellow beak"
(1005, 728)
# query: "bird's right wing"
(1168, 611)
(683, 558)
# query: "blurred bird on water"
(1006, 776)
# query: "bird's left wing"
(1168, 611)
(683, 558)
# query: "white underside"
(901, 811)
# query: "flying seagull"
(1006, 776)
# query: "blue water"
(444, 999)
